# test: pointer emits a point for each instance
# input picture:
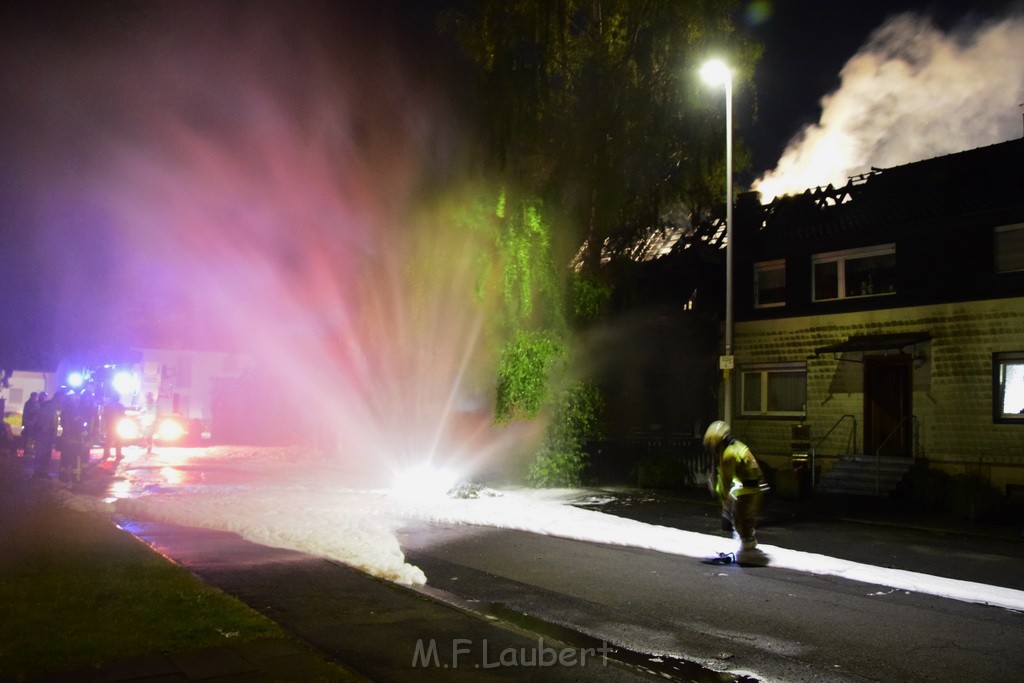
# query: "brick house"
(885, 319)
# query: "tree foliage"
(561, 459)
(524, 371)
(518, 273)
(595, 106)
(594, 120)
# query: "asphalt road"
(768, 623)
(663, 616)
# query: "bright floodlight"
(715, 72)
(123, 382)
(76, 379)
(425, 481)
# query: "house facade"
(883, 321)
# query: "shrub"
(926, 487)
(561, 459)
(974, 499)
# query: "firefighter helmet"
(717, 432)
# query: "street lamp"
(716, 73)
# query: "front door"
(888, 428)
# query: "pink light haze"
(264, 174)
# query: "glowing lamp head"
(425, 481)
(716, 72)
(76, 379)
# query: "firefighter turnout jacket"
(738, 471)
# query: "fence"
(652, 461)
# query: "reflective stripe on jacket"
(738, 471)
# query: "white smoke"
(912, 92)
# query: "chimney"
(749, 215)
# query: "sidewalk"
(275, 659)
(348, 626)
(258, 661)
(854, 509)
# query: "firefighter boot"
(751, 557)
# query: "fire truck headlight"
(170, 430)
(127, 429)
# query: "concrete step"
(857, 474)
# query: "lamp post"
(716, 73)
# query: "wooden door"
(888, 425)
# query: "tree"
(594, 105)
(594, 121)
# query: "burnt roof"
(958, 185)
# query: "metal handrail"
(878, 451)
(814, 446)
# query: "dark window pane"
(752, 392)
(826, 281)
(770, 286)
(871, 275)
(1009, 247)
(787, 392)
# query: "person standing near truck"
(45, 428)
(29, 413)
(147, 419)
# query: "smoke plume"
(912, 92)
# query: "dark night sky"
(806, 44)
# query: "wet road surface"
(664, 616)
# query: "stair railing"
(816, 444)
(878, 452)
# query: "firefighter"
(112, 413)
(740, 488)
(74, 450)
(148, 418)
(28, 419)
(45, 429)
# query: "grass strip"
(77, 591)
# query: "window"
(770, 284)
(779, 389)
(1008, 387)
(1009, 248)
(855, 273)
(691, 303)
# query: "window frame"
(840, 258)
(1000, 359)
(764, 370)
(1002, 229)
(769, 266)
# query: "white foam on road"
(261, 495)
